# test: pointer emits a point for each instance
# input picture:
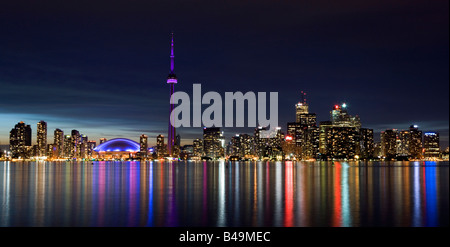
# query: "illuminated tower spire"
(171, 80)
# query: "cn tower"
(171, 80)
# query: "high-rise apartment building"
(20, 140)
(42, 138)
(58, 143)
(143, 146)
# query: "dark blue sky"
(100, 66)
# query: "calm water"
(224, 194)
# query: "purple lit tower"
(171, 80)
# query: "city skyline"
(106, 79)
(228, 136)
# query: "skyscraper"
(235, 146)
(67, 146)
(91, 145)
(198, 148)
(75, 141)
(366, 143)
(343, 142)
(213, 142)
(160, 147)
(20, 140)
(58, 143)
(83, 147)
(247, 143)
(143, 146)
(431, 145)
(171, 80)
(323, 140)
(304, 131)
(402, 144)
(389, 143)
(268, 147)
(415, 142)
(341, 118)
(42, 138)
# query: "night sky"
(100, 66)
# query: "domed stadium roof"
(118, 145)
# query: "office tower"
(366, 143)
(324, 127)
(341, 118)
(160, 147)
(20, 140)
(301, 108)
(143, 146)
(198, 148)
(431, 145)
(389, 143)
(42, 138)
(402, 144)
(102, 140)
(343, 142)
(58, 143)
(415, 142)
(67, 146)
(304, 131)
(171, 80)
(213, 142)
(90, 148)
(74, 148)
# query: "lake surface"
(224, 194)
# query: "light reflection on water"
(224, 194)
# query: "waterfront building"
(83, 147)
(247, 146)
(304, 130)
(41, 138)
(324, 128)
(90, 148)
(366, 144)
(415, 142)
(143, 151)
(431, 145)
(389, 143)
(67, 146)
(377, 152)
(198, 148)
(117, 149)
(160, 147)
(268, 147)
(51, 151)
(343, 142)
(213, 142)
(74, 145)
(20, 140)
(234, 146)
(58, 143)
(402, 144)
